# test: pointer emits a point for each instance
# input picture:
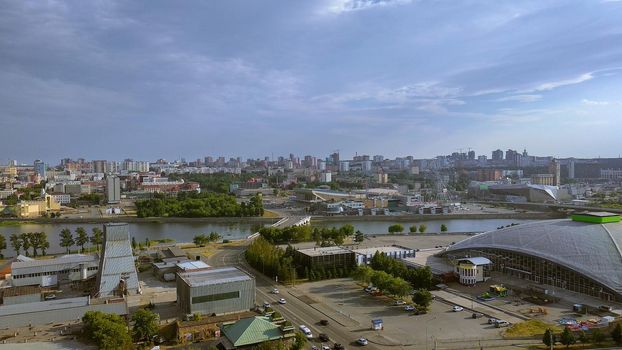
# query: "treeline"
(195, 205)
(385, 282)
(109, 331)
(323, 236)
(418, 278)
(271, 260)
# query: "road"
(295, 310)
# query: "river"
(184, 232)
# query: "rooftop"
(252, 330)
(65, 259)
(385, 249)
(192, 265)
(324, 251)
(200, 278)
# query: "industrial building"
(117, 271)
(364, 255)
(53, 272)
(581, 254)
(215, 291)
(325, 257)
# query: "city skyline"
(102, 80)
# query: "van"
(502, 323)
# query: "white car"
(457, 308)
(362, 341)
(325, 347)
(399, 302)
(306, 331)
(266, 304)
(275, 291)
(282, 301)
(409, 308)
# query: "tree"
(16, 243)
(66, 239)
(39, 240)
(399, 287)
(598, 336)
(145, 324)
(547, 338)
(567, 337)
(413, 229)
(134, 245)
(396, 228)
(26, 242)
(362, 274)
(97, 237)
(81, 238)
(2, 245)
(422, 297)
(299, 341)
(108, 331)
(200, 240)
(616, 334)
(422, 228)
(359, 236)
(214, 236)
(443, 228)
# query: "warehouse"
(215, 291)
(52, 272)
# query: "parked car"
(325, 347)
(492, 320)
(50, 297)
(324, 322)
(323, 337)
(477, 315)
(399, 302)
(410, 308)
(457, 308)
(275, 291)
(282, 301)
(362, 341)
(266, 304)
(502, 323)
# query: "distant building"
(344, 166)
(543, 179)
(40, 169)
(215, 291)
(364, 255)
(326, 177)
(113, 190)
(100, 166)
(497, 155)
(555, 169)
(325, 257)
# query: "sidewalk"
(476, 306)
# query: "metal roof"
(252, 330)
(480, 260)
(65, 259)
(318, 251)
(592, 250)
(7, 310)
(388, 249)
(192, 265)
(214, 276)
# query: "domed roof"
(592, 250)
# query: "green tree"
(2, 245)
(359, 236)
(16, 243)
(39, 240)
(399, 287)
(547, 338)
(396, 228)
(145, 324)
(422, 297)
(81, 238)
(598, 336)
(96, 237)
(413, 229)
(584, 338)
(107, 331)
(616, 334)
(443, 228)
(362, 274)
(134, 245)
(66, 239)
(299, 341)
(200, 240)
(26, 242)
(567, 337)
(422, 228)
(214, 237)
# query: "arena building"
(581, 254)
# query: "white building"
(473, 270)
(113, 189)
(344, 166)
(61, 198)
(326, 177)
(364, 255)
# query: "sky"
(170, 79)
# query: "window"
(215, 297)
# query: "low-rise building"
(247, 333)
(364, 255)
(215, 291)
(52, 272)
(473, 270)
(325, 257)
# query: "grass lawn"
(530, 328)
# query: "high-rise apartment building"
(113, 190)
(40, 168)
(100, 166)
(497, 155)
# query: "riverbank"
(440, 217)
(271, 220)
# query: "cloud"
(555, 84)
(594, 103)
(342, 6)
(520, 98)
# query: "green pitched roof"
(252, 330)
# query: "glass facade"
(540, 271)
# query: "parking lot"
(344, 299)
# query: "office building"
(325, 257)
(113, 190)
(40, 169)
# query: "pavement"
(476, 306)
